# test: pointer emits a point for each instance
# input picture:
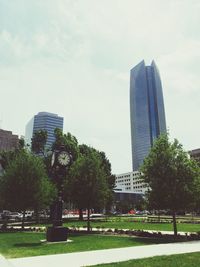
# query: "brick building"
(8, 140)
(195, 154)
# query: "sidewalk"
(106, 256)
(4, 262)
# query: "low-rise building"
(121, 195)
(130, 182)
(195, 154)
(8, 140)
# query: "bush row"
(140, 233)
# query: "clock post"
(61, 159)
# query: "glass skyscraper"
(44, 121)
(147, 111)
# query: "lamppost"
(60, 162)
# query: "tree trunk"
(23, 219)
(192, 217)
(159, 216)
(174, 223)
(88, 219)
(5, 223)
(36, 215)
(80, 214)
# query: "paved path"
(106, 256)
(4, 262)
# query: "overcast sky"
(74, 58)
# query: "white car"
(28, 215)
(15, 216)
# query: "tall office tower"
(147, 111)
(44, 121)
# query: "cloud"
(73, 58)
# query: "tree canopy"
(87, 180)
(69, 142)
(25, 184)
(38, 142)
(173, 178)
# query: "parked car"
(43, 215)
(15, 216)
(5, 214)
(29, 215)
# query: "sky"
(73, 58)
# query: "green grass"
(21, 244)
(183, 260)
(183, 227)
(134, 223)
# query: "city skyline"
(147, 112)
(73, 58)
(44, 121)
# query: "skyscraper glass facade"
(44, 121)
(146, 110)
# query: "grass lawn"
(133, 223)
(14, 245)
(183, 260)
(183, 227)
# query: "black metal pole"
(57, 232)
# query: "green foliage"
(124, 206)
(133, 222)
(90, 181)
(110, 179)
(25, 184)
(105, 166)
(172, 177)
(69, 142)
(21, 143)
(87, 182)
(38, 142)
(6, 157)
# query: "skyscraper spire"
(147, 111)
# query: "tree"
(38, 142)
(172, 177)
(22, 144)
(110, 178)
(87, 182)
(69, 142)
(125, 205)
(106, 168)
(25, 184)
(7, 156)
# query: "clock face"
(63, 158)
